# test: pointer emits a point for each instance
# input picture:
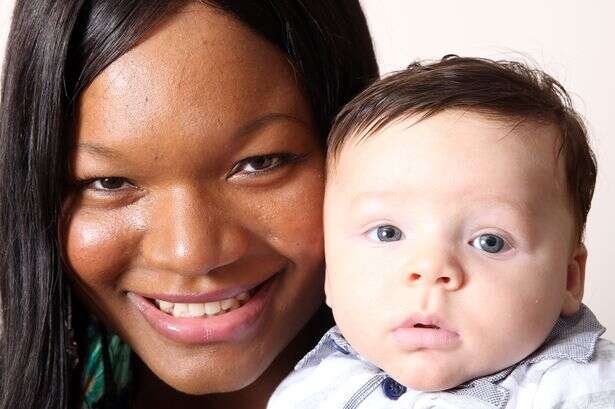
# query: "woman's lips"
(228, 326)
(207, 297)
(422, 331)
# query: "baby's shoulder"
(328, 376)
(570, 384)
(600, 366)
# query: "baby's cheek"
(97, 251)
(521, 314)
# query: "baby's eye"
(490, 243)
(109, 183)
(385, 233)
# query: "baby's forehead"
(453, 150)
(453, 128)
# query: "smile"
(208, 309)
(220, 316)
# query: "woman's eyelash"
(79, 183)
(112, 180)
(278, 159)
(282, 159)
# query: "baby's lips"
(426, 321)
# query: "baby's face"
(450, 246)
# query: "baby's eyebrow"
(366, 203)
(518, 206)
(374, 195)
(372, 200)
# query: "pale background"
(572, 40)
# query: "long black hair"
(55, 49)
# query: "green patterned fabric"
(95, 374)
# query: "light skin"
(191, 155)
(413, 215)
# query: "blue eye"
(489, 243)
(385, 233)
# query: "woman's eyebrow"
(97, 149)
(265, 120)
(245, 130)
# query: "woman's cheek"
(298, 218)
(98, 249)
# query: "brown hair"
(502, 89)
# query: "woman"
(163, 162)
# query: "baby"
(457, 195)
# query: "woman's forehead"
(200, 69)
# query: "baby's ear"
(575, 282)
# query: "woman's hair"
(55, 50)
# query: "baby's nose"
(450, 279)
(435, 265)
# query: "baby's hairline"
(360, 132)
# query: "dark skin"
(155, 393)
(197, 168)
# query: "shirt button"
(392, 389)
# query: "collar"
(574, 337)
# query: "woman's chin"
(213, 377)
(206, 386)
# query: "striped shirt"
(574, 368)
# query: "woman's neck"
(152, 393)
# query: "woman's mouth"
(206, 318)
(208, 309)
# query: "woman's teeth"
(208, 309)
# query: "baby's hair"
(504, 90)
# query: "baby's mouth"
(425, 321)
(419, 325)
(207, 309)
(425, 331)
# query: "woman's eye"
(262, 163)
(259, 163)
(385, 233)
(490, 243)
(109, 183)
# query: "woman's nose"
(189, 234)
(436, 267)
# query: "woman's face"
(198, 180)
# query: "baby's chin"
(429, 376)
(430, 381)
